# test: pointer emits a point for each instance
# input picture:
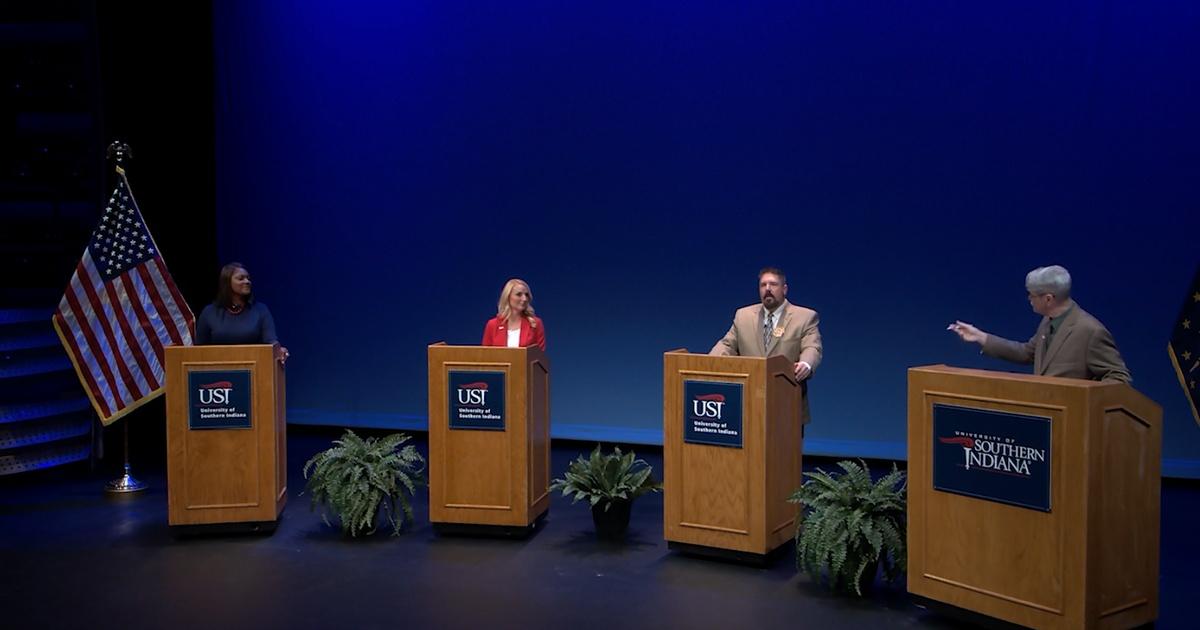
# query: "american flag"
(120, 310)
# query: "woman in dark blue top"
(234, 318)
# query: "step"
(29, 366)
(34, 411)
(44, 432)
(28, 340)
(23, 315)
(41, 298)
(40, 389)
(45, 456)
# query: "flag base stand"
(127, 482)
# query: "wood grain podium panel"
(783, 445)
(490, 477)
(538, 491)
(1126, 512)
(475, 482)
(714, 486)
(723, 497)
(222, 466)
(229, 475)
(975, 533)
(1091, 560)
(280, 435)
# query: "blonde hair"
(503, 310)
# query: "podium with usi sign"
(1033, 499)
(489, 438)
(732, 449)
(226, 436)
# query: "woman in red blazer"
(515, 325)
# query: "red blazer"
(495, 333)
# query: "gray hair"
(1054, 280)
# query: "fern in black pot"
(361, 481)
(609, 482)
(851, 526)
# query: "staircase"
(45, 418)
(51, 180)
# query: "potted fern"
(851, 526)
(609, 482)
(359, 481)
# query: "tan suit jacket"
(1082, 348)
(800, 340)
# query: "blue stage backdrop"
(384, 167)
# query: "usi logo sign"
(712, 413)
(473, 393)
(215, 393)
(219, 399)
(475, 400)
(708, 406)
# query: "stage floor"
(72, 557)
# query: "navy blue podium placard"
(219, 399)
(476, 400)
(712, 413)
(993, 455)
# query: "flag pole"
(117, 152)
(126, 482)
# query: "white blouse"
(514, 337)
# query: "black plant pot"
(611, 523)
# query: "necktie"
(766, 331)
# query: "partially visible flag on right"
(1185, 345)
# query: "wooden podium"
(226, 436)
(726, 494)
(1072, 540)
(489, 438)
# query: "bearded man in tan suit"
(775, 327)
(1069, 342)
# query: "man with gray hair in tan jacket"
(1069, 342)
